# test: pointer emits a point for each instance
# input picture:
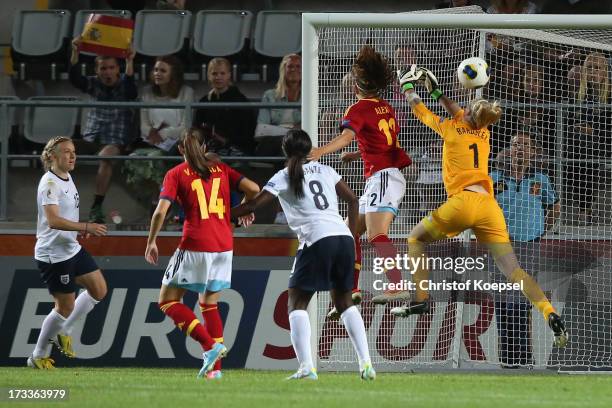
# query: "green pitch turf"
(178, 388)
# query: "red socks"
(185, 320)
(385, 249)
(214, 324)
(357, 264)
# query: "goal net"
(551, 165)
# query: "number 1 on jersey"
(216, 204)
(474, 147)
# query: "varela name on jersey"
(315, 216)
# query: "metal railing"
(5, 129)
(558, 160)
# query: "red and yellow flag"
(107, 35)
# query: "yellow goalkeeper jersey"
(465, 156)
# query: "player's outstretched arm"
(250, 190)
(433, 87)
(157, 220)
(339, 142)
(407, 79)
(347, 195)
(261, 199)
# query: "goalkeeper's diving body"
(471, 202)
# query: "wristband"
(436, 94)
(407, 86)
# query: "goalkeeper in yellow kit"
(471, 202)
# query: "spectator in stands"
(405, 55)
(524, 192)
(589, 130)
(108, 130)
(231, 130)
(512, 7)
(531, 208)
(160, 128)
(288, 89)
(527, 84)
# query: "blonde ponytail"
(484, 112)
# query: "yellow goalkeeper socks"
(416, 251)
(532, 291)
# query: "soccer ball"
(473, 73)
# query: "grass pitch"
(170, 388)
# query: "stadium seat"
(43, 123)
(221, 33)
(277, 33)
(80, 18)
(39, 43)
(160, 32)
(13, 123)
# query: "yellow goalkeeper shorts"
(468, 209)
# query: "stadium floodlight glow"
(536, 65)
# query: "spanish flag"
(107, 35)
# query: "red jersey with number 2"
(374, 123)
(206, 204)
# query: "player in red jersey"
(372, 121)
(203, 260)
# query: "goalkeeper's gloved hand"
(431, 83)
(407, 77)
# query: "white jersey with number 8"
(316, 215)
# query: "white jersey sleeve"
(50, 192)
(315, 215)
(279, 183)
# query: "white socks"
(51, 326)
(82, 305)
(355, 328)
(300, 337)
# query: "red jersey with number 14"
(206, 204)
(374, 124)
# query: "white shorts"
(199, 271)
(383, 192)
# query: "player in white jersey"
(308, 193)
(62, 262)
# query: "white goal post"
(544, 71)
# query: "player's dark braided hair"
(194, 150)
(296, 145)
(371, 71)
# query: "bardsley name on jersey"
(479, 133)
